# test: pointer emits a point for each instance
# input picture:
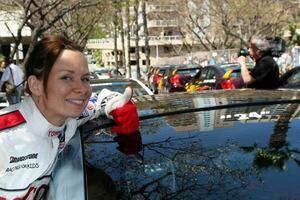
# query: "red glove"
(126, 118)
(121, 109)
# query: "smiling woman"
(35, 131)
(61, 87)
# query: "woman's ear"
(35, 85)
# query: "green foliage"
(97, 56)
(98, 32)
(295, 37)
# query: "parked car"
(155, 77)
(102, 73)
(171, 78)
(106, 73)
(290, 79)
(225, 76)
(209, 77)
(178, 76)
(219, 144)
(119, 85)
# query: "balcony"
(162, 23)
(165, 38)
(160, 8)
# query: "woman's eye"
(67, 78)
(86, 79)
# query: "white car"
(119, 85)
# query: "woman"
(33, 132)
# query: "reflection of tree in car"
(278, 152)
(206, 173)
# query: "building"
(165, 38)
(9, 23)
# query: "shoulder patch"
(11, 119)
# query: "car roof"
(122, 82)
(204, 144)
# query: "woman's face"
(68, 88)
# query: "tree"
(137, 38)
(218, 24)
(146, 34)
(79, 24)
(127, 14)
(122, 32)
(45, 17)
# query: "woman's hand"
(121, 109)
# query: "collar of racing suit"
(37, 121)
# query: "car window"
(236, 73)
(198, 75)
(191, 72)
(204, 74)
(210, 74)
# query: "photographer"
(265, 74)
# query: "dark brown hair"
(44, 54)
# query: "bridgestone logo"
(22, 158)
(28, 166)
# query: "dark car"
(219, 144)
(290, 79)
(178, 76)
(209, 77)
(225, 76)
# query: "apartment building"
(9, 23)
(165, 37)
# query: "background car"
(102, 73)
(178, 76)
(226, 76)
(106, 73)
(155, 76)
(119, 85)
(209, 77)
(210, 145)
(290, 79)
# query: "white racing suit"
(29, 146)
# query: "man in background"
(265, 74)
(14, 75)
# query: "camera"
(277, 47)
(243, 52)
